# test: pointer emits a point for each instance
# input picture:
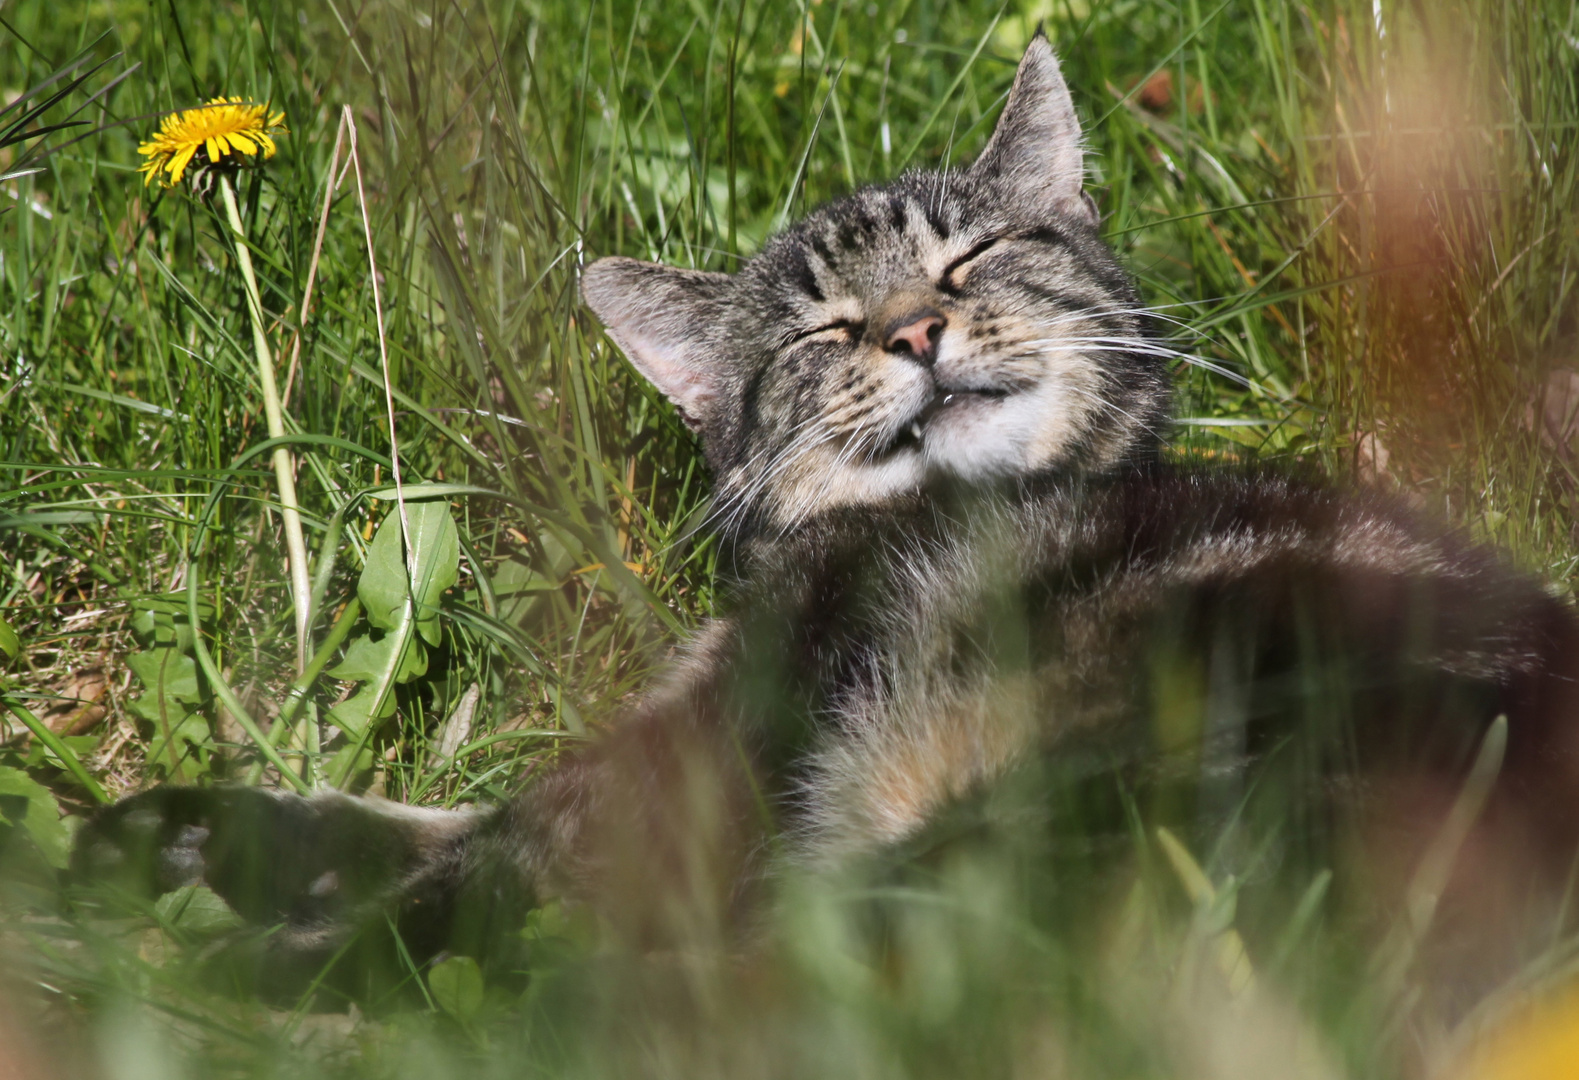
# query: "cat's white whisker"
(793, 453)
(805, 437)
(864, 440)
(1102, 402)
(1148, 348)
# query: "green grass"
(1366, 235)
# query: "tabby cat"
(933, 412)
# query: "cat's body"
(932, 412)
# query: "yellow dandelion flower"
(223, 129)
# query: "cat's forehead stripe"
(897, 211)
(876, 235)
(939, 223)
(803, 275)
(824, 252)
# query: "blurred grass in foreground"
(1362, 217)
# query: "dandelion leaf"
(197, 910)
(516, 587)
(349, 760)
(170, 703)
(366, 659)
(173, 733)
(457, 986)
(435, 563)
(27, 805)
(354, 713)
(167, 672)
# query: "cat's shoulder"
(1191, 519)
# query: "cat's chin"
(976, 435)
(987, 435)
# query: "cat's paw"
(147, 844)
(268, 854)
(324, 873)
(309, 874)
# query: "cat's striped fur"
(933, 412)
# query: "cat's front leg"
(322, 869)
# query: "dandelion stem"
(284, 468)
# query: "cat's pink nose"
(917, 334)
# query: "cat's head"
(967, 323)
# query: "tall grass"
(1361, 217)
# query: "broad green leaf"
(170, 704)
(10, 644)
(354, 713)
(435, 559)
(398, 656)
(160, 628)
(548, 920)
(158, 708)
(376, 663)
(162, 619)
(341, 761)
(456, 984)
(198, 910)
(382, 586)
(173, 731)
(167, 672)
(144, 623)
(369, 659)
(27, 804)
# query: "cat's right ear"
(664, 318)
(1035, 156)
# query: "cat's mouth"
(913, 434)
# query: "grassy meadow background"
(1363, 218)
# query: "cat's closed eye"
(851, 329)
(952, 279)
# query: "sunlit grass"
(1363, 229)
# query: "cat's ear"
(1035, 153)
(663, 317)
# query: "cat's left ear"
(1035, 155)
(664, 317)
